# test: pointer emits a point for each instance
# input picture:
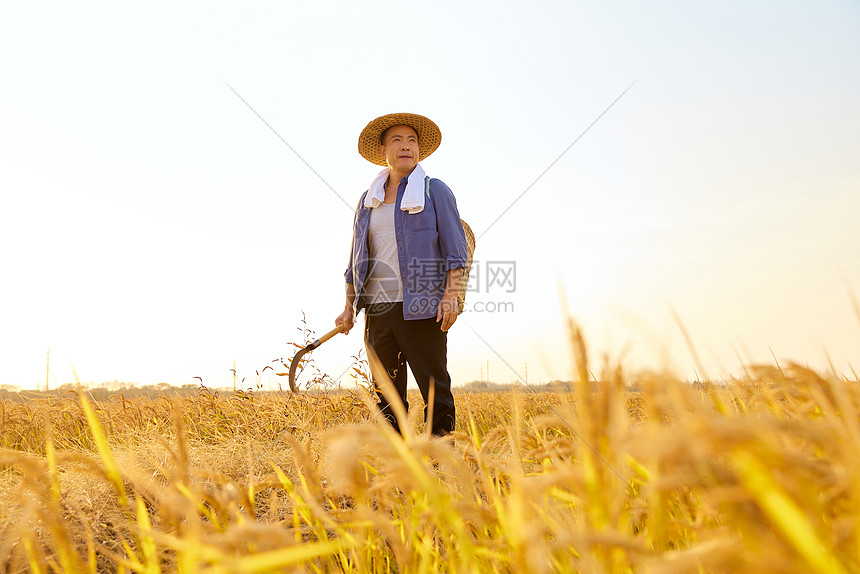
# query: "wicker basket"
(470, 249)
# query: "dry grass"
(761, 475)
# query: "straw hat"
(429, 136)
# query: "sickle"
(295, 363)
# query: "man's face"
(400, 148)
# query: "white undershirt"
(383, 275)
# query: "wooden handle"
(332, 333)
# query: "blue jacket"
(429, 244)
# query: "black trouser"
(421, 343)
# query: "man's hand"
(347, 319)
(448, 310)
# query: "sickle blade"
(295, 363)
(293, 366)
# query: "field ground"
(759, 475)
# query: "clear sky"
(153, 229)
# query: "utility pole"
(47, 369)
(488, 370)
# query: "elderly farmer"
(406, 262)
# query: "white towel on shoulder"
(413, 197)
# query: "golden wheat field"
(755, 475)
